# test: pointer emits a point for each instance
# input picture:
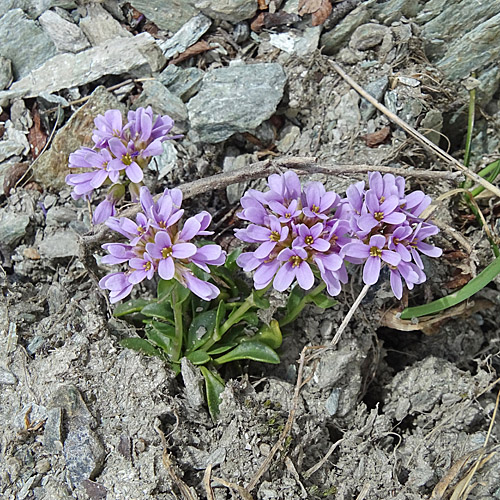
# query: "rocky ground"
(389, 413)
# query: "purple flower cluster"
(159, 244)
(120, 150)
(301, 232)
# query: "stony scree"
(15, 29)
(171, 19)
(235, 99)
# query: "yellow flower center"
(288, 215)
(309, 240)
(295, 260)
(166, 252)
(274, 236)
(378, 216)
(147, 266)
(375, 252)
(315, 209)
(141, 229)
(127, 159)
(162, 224)
(382, 199)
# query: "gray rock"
(332, 403)
(100, 26)
(393, 10)
(182, 82)
(168, 15)
(67, 36)
(72, 70)
(448, 22)
(5, 72)
(334, 39)
(83, 452)
(472, 51)
(52, 435)
(229, 10)
(7, 377)
(235, 99)
(235, 191)
(34, 8)
(432, 125)
(156, 95)
(368, 36)
(165, 163)
(193, 382)
(32, 412)
(376, 89)
(15, 31)
(52, 166)
(300, 43)
(60, 244)
(189, 34)
(60, 216)
(289, 136)
(13, 228)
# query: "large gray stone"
(67, 36)
(166, 14)
(59, 244)
(34, 8)
(156, 95)
(13, 227)
(235, 99)
(24, 43)
(228, 10)
(100, 26)
(51, 167)
(472, 51)
(143, 56)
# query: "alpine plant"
(120, 154)
(303, 233)
(159, 244)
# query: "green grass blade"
(490, 173)
(474, 285)
(470, 125)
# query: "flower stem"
(179, 330)
(292, 315)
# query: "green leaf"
(294, 299)
(129, 307)
(140, 345)
(323, 301)
(254, 350)
(230, 263)
(251, 318)
(478, 283)
(214, 387)
(159, 310)
(157, 337)
(260, 302)
(270, 335)
(200, 329)
(198, 357)
(222, 347)
(164, 289)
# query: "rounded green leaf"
(198, 357)
(140, 345)
(129, 307)
(214, 387)
(270, 334)
(252, 349)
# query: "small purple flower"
(125, 159)
(374, 253)
(316, 200)
(411, 274)
(380, 212)
(167, 253)
(142, 268)
(398, 241)
(107, 126)
(283, 188)
(118, 253)
(286, 213)
(421, 232)
(311, 237)
(118, 284)
(295, 266)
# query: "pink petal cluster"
(300, 232)
(159, 244)
(119, 156)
